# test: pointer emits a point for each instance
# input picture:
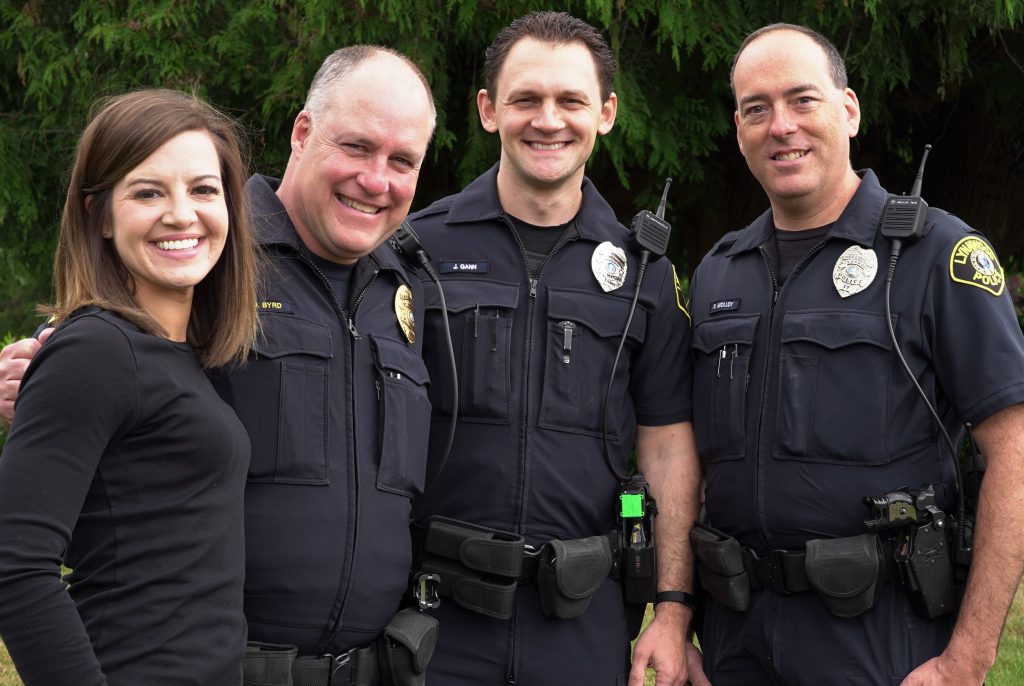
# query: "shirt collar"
(858, 223)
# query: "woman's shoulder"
(92, 330)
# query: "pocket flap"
(296, 336)
(466, 294)
(394, 356)
(713, 334)
(605, 315)
(831, 329)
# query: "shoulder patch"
(973, 262)
(680, 298)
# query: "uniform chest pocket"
(281, 398)
(721, 349)
(583, 333)
(480, 315)
(404, 416)
(835, 388)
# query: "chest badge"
(403, 311)
(855, 270)
(609, 266)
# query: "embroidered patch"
(974, 263)
(680, 298)
(475, 267)
(724, 306)
(273, 306)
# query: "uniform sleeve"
(661, 377)
(79, 392)
(977, 345)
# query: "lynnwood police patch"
(974, 263)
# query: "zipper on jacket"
(759, 493)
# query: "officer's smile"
(356, 205)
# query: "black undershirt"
(787, 248)
(339, 276)
(538, 241)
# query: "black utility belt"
(398, 657)
(846, 573)
(480, 568)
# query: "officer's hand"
(663, 647)
(945, 670)
(14, 359)
(695, 666)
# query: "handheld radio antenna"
(916, 188)
(660, 214)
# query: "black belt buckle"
(425, 590)
(779, 571)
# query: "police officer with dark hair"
(802, 408)
(539, 276)
(334, 396)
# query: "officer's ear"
(301, 131)
(485, 107)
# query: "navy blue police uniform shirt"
(534, 357)
(527, 456)
(801, 406)
(334, 398)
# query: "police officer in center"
(802, 408)
(334, 397)
(538, 276)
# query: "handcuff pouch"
(570, 572)
(846, 573)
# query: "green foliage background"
(947, 72)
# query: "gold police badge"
(854, 271)
(974, 263)
(403, 311)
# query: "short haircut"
(551, 27)
(836, 64)
(341, 62)
(123, 132)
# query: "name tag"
(475, 267)
(725, 305)
(273, 306)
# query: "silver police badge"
(855, 270)
(609, 266)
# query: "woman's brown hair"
(123, 132)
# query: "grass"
(1008, 670)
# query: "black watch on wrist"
(683, 597)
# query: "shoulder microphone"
(650, 230)
(904, 215)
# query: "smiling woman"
(123, 463)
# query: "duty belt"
(481, 568)
(272, 664)
(784, 571)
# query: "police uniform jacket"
(335, 402)
(534, 359)
(801, 405)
